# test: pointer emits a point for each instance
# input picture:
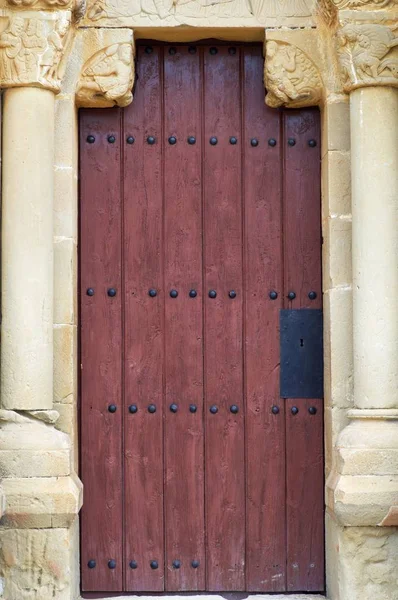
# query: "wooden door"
(199, 234)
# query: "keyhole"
(301, 342)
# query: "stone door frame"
(356, 91)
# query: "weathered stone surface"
(31, 448)
(38, 503)
(361, 562)
(65, 353)
(38, 564)
(336, 184)
(65, 278)
(336, 126)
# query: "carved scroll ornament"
(31, 51)
(290, 77)
(368, 55)
(107, 77)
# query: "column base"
(39, 539)
(362, 489)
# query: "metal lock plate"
(301, 345)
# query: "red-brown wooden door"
(200, 214)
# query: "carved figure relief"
(178, 11)
(48, 3)
(367, 55)
(352, 4)
(107, 78)
(30, 51)
(290, 77)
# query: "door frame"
(201, 42)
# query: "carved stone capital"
(291, 77)
(77, 6)
(107, 77)
(368, 55)
(32, 47)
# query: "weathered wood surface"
(240, 493)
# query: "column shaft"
(374, 156)
(27, 249)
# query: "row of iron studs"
(212, 294)
(192, 50)
(134, 565)
(234, 409)
(213, 141)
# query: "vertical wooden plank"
(224, 451)
(304, 490)
(302, 207)
(184, 448)
(265, 429)
(101, 341)
(304, 439)
(143, 243)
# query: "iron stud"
(112, 408)
(191, 140)
(90, 139)
(152, 293)
(173, 293)
(232, 294)
(176, 564)
(172, 140)
(112, 564)
(213, 50)
(151, 140)
(213, 141)
(154, 564)
(133, 564)
(151, 408)
(193, 293)
(232, 51)
(149, 49)
(294, 410)
(192, 408)
(111, 139)
(272, 142)
(233, 140)
(312, 295)
(312, 410)
(275, 410)
(192, 49)
(312, 143)
(212, 294)
(172, 51)
(214, 409)
(130, 139)
(133, 409)
(173, 408)
(112, 292)
(90, 292)
(195, 564)
(291, 142)
(291, 295)
(254, 142)
(91, 564)
(234, 409)
(273, 295)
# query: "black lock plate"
(301, 340)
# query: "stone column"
(374, 163)
(42, 493)
(27, 249)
